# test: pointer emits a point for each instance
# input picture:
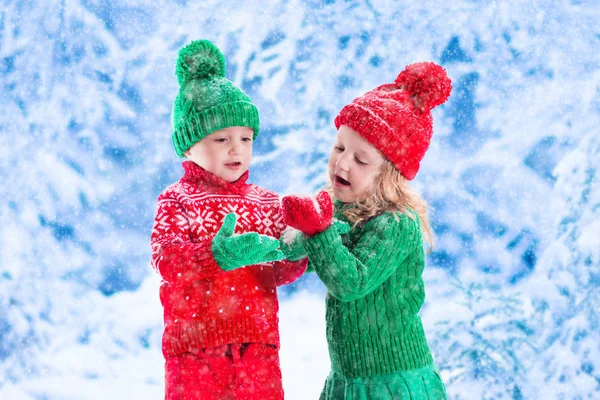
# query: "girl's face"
(225, 153)
(353, 165)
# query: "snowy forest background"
(511, 176)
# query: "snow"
(290, 234)
(115, 363)
(511, 178)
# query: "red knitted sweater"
(205, 306)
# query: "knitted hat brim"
(377, 132)
(198, 125)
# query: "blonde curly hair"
(390, 192)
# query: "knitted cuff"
(320, 246)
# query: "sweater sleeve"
(176, 258)
(384, 244)
(286, 271)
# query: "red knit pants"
(235, 371)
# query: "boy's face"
(225, 153)
(353, 165)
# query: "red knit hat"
(396, 117)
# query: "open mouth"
(341, 181)
(234, 164)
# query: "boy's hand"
(310, 215)
(233, 251)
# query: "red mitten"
(310, 215)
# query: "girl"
(373, 273)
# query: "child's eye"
(247, 139)
(221, 140)
(338, 148)
(360, 162)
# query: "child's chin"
(233, 176)
(343, 196)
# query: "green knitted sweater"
(375, 290)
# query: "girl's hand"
(310, 215)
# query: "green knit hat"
(206, 101)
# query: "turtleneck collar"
(195, 174)
(338, 207)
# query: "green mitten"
(233, 251)
(291, 244)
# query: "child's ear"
(186, 153)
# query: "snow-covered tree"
(485, 346)
(87, 91)
(73, 219)
(565, 291)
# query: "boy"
(221, 336)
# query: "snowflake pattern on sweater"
(205, 306)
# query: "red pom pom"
(428, 84)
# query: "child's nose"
(236, 148)
(342, 163)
